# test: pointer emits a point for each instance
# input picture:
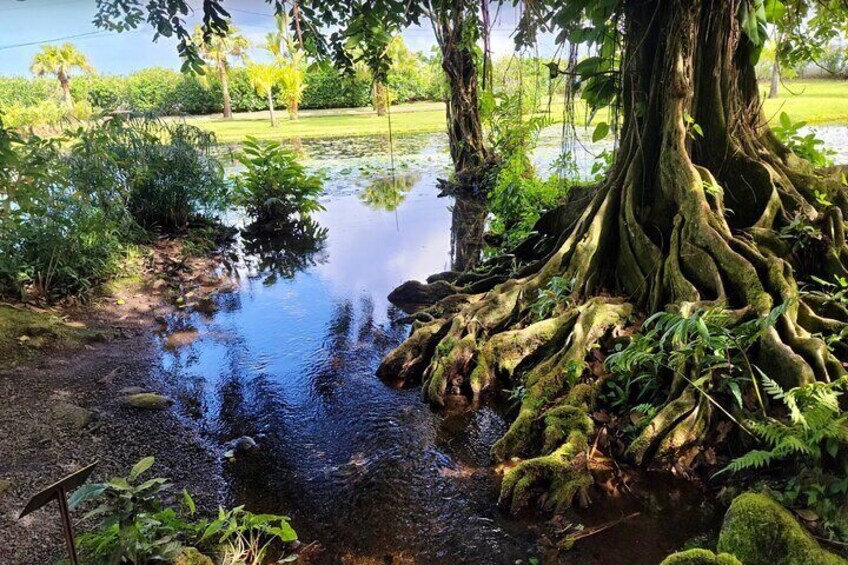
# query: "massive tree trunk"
(465, 130)
(683, 221)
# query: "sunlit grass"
(812, 101)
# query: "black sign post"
(59, 491)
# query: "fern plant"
(705, 347)
(815, 426)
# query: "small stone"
(71, 415)
(120, 302)
(147, 401)
(5, 486)
(244, 444)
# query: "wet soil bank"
(61, 405)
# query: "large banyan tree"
(696, 212)
(703, 209)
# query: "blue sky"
(35, 22)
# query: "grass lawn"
(813, 101)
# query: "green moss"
(759, 531)
(190, 556)
(700, 557)
(24, 332)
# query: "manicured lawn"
(406, 118)
(813, 101)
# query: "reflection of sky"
(374, 251)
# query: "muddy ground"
(61, 409)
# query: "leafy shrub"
(807, 147)
(53, 240)
(66, 247)
(518, 196)
(816, 425)
(274, 186)
(137, 526)
(162, 173)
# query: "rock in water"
(413, 296)
(147, 401)
(71, 415)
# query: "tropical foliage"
(274, 186)
(137, 524)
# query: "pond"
(371, 471)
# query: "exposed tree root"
(681, 223)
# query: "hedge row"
(168, 92)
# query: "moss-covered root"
(759, 531)
(700, 557)
(555, 421)
(408, 361)
(562, 474)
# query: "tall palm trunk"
(66, 89)
(225, 91)
(774, 89)
(271, 108)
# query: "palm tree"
(61, 61)
(218, 51)
(264, 78)
(290, 61)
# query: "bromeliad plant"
(137, 526)
(274, 186)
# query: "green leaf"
(141, 467)
(601, 131)
(774, 10)
(189, 502)
(84, 494)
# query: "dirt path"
(63, 410)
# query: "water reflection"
(468, 223)
(289, 359)
(387, 193)
(273, 255)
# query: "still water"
(369, 471)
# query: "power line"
(75, 36)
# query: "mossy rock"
(759, 531)
(71, 415)
(191, 556)
(700, 557)
(147, 401)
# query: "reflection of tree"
(468, 222)
(282, 254)
(387, 193)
